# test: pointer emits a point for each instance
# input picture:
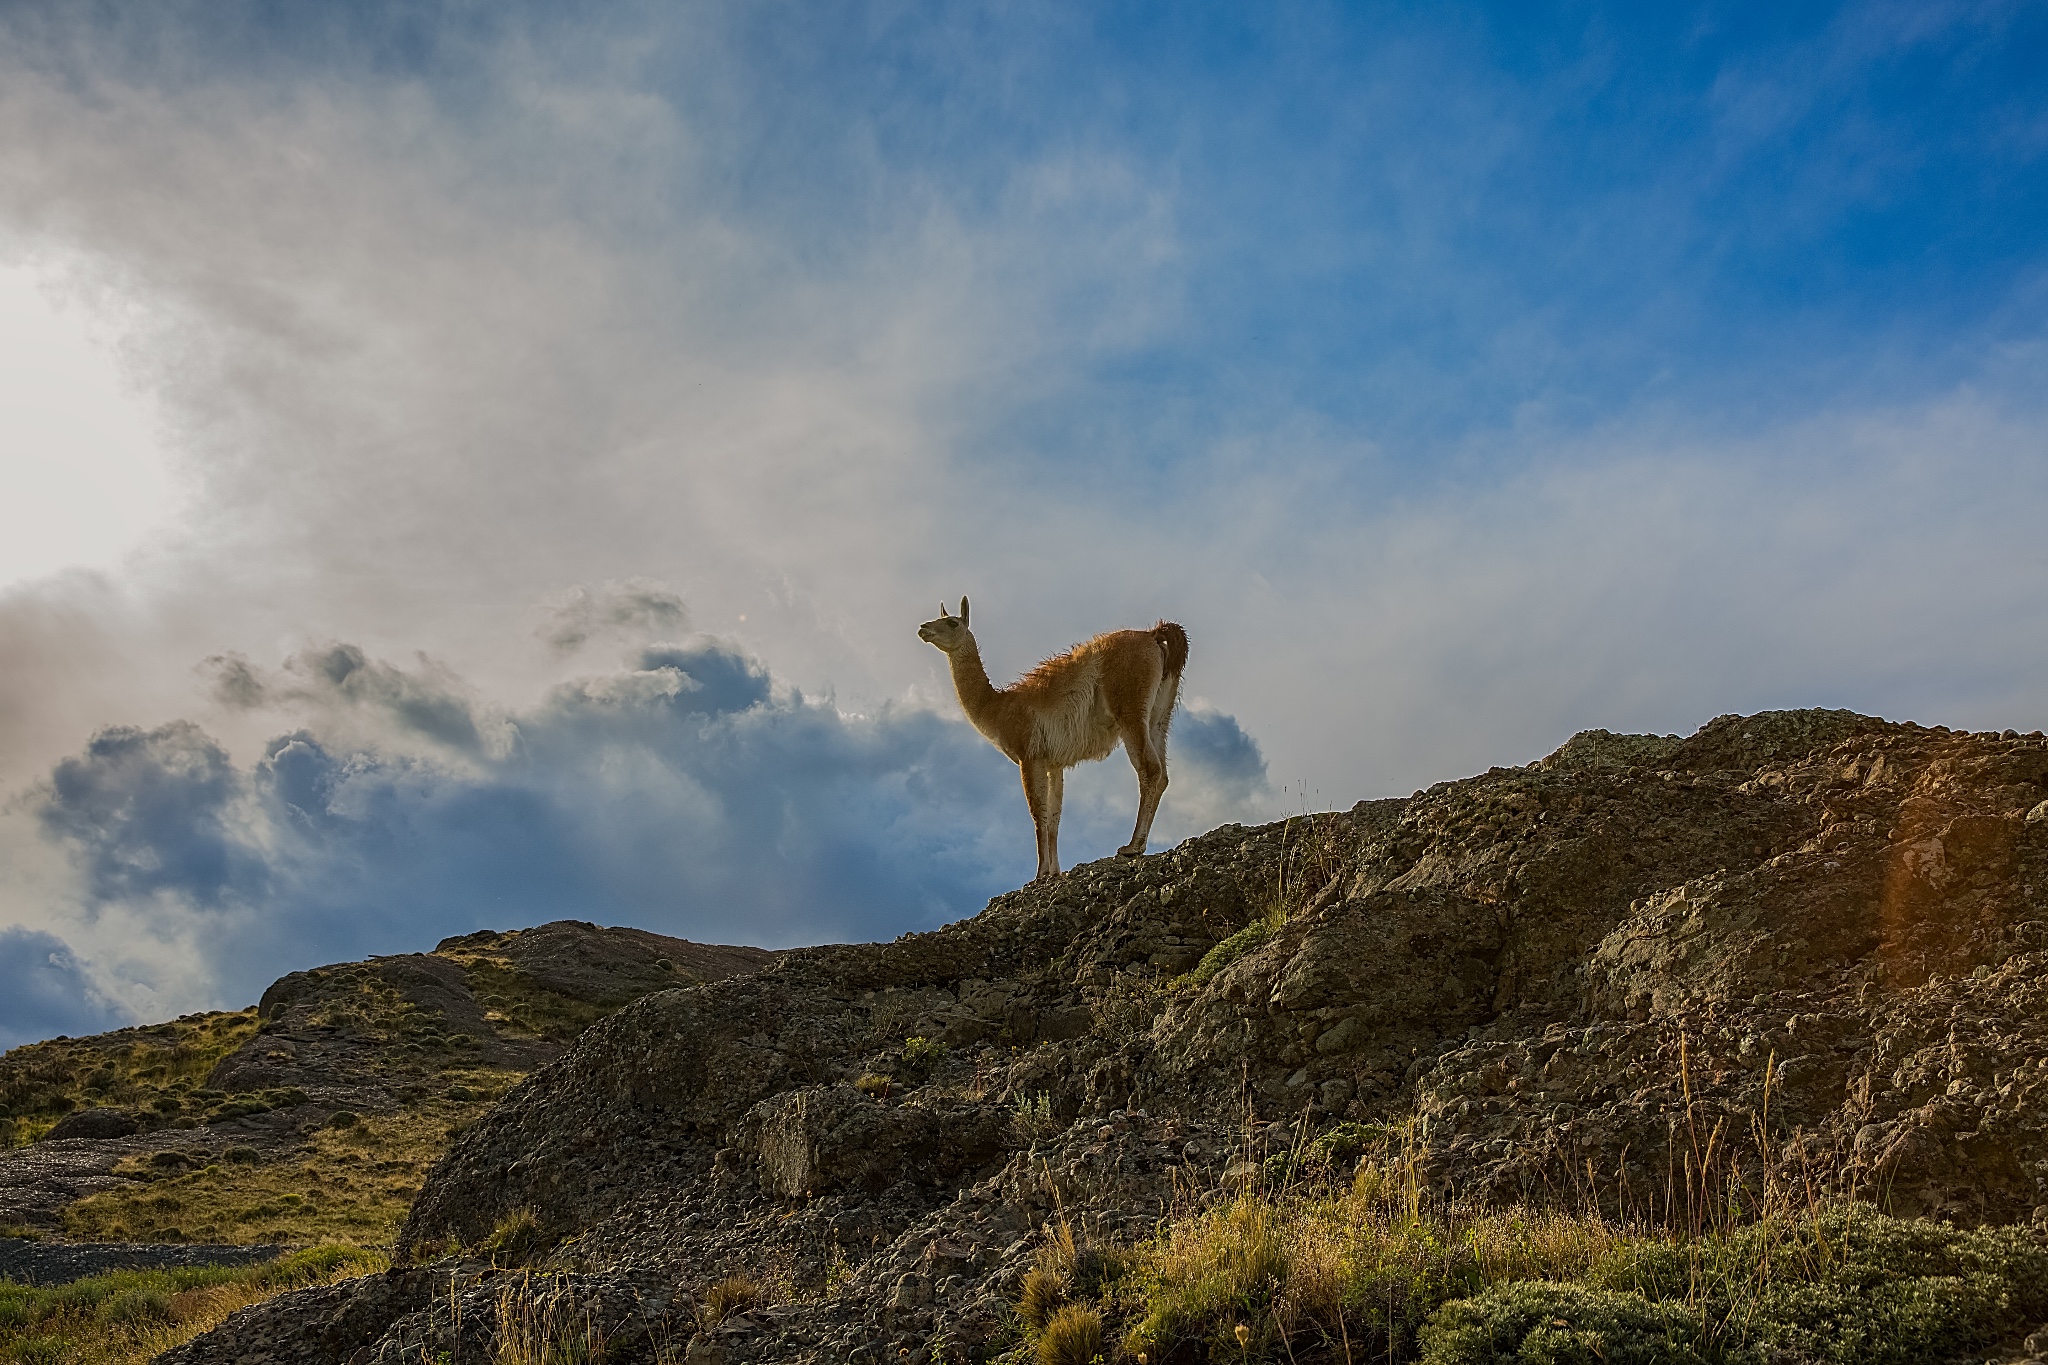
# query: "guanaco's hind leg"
(1149, 758)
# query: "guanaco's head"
(948, 632)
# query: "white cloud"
(85, 476)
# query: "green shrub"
(1346, 1142)
(1845, 1285)
(922, 1056)
(1033, 1117)
(42, 1350)
(1534, 1323)
(1235, 947)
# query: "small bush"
(1033, 1117)
(241, 1156)
(1346, 1142)
(342, 1118)
(1072, 1336)
(875, 1083)
(921, 1055)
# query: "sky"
(464, 465)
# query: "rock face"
(1816, 940)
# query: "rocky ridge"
(1822, 934)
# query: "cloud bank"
(686, 792)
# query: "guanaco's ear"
(944, 611)
(963, 611)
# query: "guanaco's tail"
(1173, 642)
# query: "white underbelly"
(1079, 731)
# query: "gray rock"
(93, 1123)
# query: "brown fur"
(1073, 708)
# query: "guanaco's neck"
(970, 680)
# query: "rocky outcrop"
(93, 1123)
(312, 1326)
(1807, 941)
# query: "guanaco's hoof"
(1131, 851)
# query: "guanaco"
(1074, 708)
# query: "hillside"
(315, 1113)
(1630, 1045)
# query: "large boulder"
(94, 1123)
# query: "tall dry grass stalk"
(536, 1327)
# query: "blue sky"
(1460, 376)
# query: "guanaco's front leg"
(1038, 796)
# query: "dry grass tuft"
(1072, 1336)
(1040, 1296)
(536, 1327)
(736, 1293)
(517, 1239)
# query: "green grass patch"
(129, 1316)
(349, 1184)
(156, 1074)
(1236, 946)
(517, 1005)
